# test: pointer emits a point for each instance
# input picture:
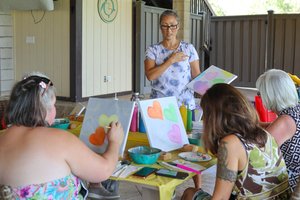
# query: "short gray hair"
(169, 13)
(277, 90)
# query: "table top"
(166, 185)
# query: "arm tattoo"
(222, 171)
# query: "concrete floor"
(131, 192)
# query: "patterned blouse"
(266, 174)
(174, 80)
(64, 188)
(291, 148)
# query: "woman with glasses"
(171, 64)
(38, 162)
(278, 93)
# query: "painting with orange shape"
(101, 113)
(164, 127)
(98, 137)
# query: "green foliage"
(249, 7)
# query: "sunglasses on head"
(43, 82)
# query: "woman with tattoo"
(249, 162)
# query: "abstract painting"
(164, 126)
(209, 77)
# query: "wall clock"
(108, 10)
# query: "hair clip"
(43, 85)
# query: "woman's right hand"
(116, 133)
(178, 56)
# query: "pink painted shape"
(174, 134)
(211, 75)
(201, 86)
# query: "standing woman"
(171, 63)
(279, 94)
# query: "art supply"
(168, 166)
(163, 123)
(165, 156)
(126, 170)
(135, 116)
(134, 124)
(189, 120)
(189, 164)
(183, 113)
(209, 77)
(181, 166)
(195, 156)
(99, 115)
(142, 128)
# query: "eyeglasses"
(43, 82)
(166, 27)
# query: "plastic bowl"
(61, 123)
(144, 155)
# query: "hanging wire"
(35, 20)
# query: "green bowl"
(61, 123)
(144, 155)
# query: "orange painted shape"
(98, 137)
(155, 111)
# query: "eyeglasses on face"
(166, 27)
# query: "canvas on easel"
(163, 122)
(209, 77)
(99, 114)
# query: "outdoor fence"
(249, 45)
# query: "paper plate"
(195, 156)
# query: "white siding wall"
(106, 50)
(6, 54)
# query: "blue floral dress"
(174, 80)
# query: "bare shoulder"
(54, 135)
(285, 121)
(231, 140)
(283, 124)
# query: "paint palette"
(195, 156)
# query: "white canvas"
(209, 77)
(163, 122)
(99, 114)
